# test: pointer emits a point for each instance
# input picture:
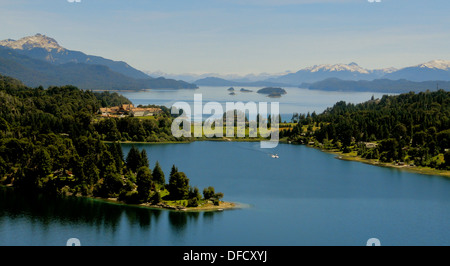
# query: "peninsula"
(52, 142)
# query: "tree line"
(411, 128)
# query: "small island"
(273, 92)
(274, 95)
(231, 89)
(245, 90)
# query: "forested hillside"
(49, 141)
(412, 128)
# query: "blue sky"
(239, 36)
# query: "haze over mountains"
(436, 70)
(40, 60)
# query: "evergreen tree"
(178, 186)
(116, 151)
(173, 171)
(143, 161)
(91, 172)
(133, 159)
(144, 183)
(158, 174)
(107, 163)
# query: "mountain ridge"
(377, 85)
(45, 48)
(40, 61)
(433, 70)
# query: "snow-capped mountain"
(433, 70)
(352, 67)
(316, 73)
(436, 64)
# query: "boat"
(275, 156)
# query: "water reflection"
(47, 209)
(42, 211)
(179, 220)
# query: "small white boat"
(275, 156)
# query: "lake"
(296, 100)
(306, 197)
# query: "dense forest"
(412, 128)
(52, 141)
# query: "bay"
(307, 197)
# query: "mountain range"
(315, 73)
(430, 71)
(377, 85)
(40, 60)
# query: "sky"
(239, 36)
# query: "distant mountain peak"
(436, 64)
(352, 67)
(31, 42)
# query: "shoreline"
(208, 207)
(412, 169)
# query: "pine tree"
(133, 159)
(158, 174)
(144, 182)
(116, 151)
(173, 171)
(143, 161)
(179, 186)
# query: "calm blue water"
(295, 101)
(306, 197)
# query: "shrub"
(156, 198)
(192, 202)
(130, 197)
